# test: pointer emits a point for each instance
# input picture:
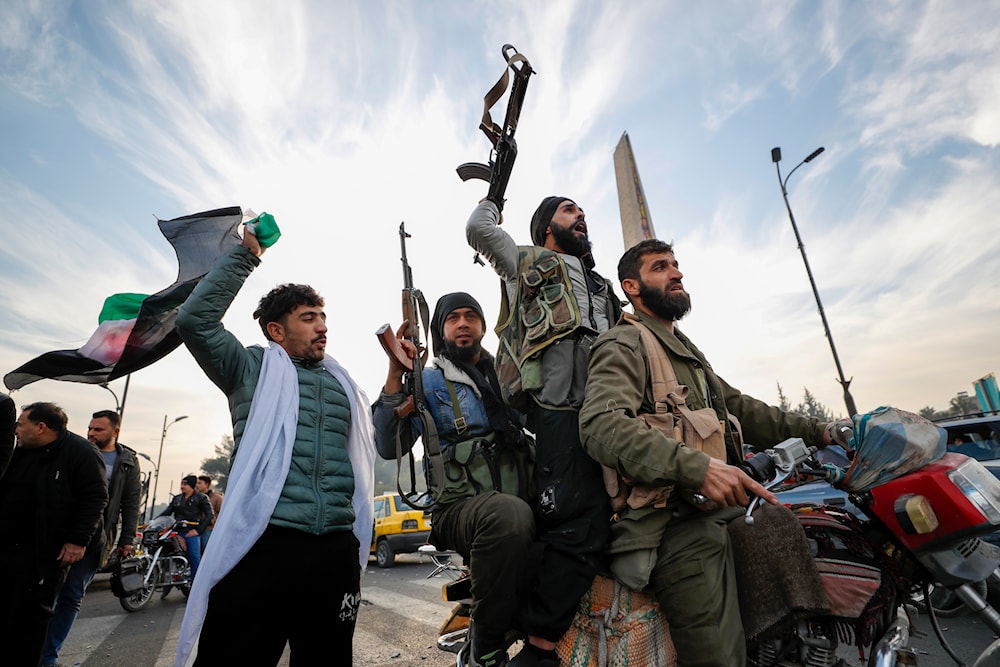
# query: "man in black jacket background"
(191, 505)
(123, 500)
(52, 496)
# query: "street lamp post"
(845, 383)
(159, 456)
(146, 483)
(119, 407)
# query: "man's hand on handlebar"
(839, 432)
(728, 486)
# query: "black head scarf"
(442, 308)
(543, 216)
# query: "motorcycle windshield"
(889, 443)
(160, 523)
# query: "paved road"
(397, 626)
(400, 613)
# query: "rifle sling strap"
(425, 318)
(493, 95)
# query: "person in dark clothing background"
(191, 505)
(52, 496)
(7, 419)
(123, 500)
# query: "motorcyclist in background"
(191, 505)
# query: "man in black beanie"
(191, 505)
(482, 511)
(554, 305)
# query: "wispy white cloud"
(344, 118)
(38, 61)
(939, 82)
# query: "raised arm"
(484, 234)
(199, 322)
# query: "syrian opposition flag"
(135, 330)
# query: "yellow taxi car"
(399, 529)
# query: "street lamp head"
(814, 154)
(776, 154)
(185, 416)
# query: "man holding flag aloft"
(299, 505)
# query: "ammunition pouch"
(699, 429)
(483, 464)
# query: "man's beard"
(103, 445)
(465, 354)
(665, 304)
(570, 243)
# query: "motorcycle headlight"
(980, 487)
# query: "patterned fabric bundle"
(617, 627)
(890, 443)
(851, 572)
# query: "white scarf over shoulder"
(259, 473)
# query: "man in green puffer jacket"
(299, 582)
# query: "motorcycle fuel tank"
(948, 500)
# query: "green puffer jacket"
(317, 494)
(618, 389)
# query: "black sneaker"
(485, 650)
(531, 656)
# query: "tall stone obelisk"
(637, 225)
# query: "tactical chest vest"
(544, 311)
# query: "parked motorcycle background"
(161, 561)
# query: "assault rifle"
(504, 151)
(415, 314)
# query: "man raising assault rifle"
(554, 306)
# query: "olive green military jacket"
(618, 389)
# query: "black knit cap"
(445, 305)
(543, 216)
(190, 480)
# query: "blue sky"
(344, 118)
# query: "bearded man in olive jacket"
(680, 552)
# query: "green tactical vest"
(544, 311)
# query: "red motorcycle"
(840, 577)
(925, 512)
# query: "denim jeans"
(204, 539)
(81, 573)
(193, 553)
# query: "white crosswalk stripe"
(419, 610)
(383, 613)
